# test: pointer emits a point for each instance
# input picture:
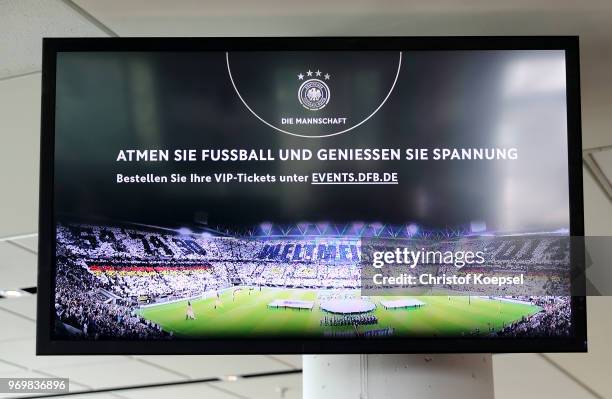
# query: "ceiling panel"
(597, 208)
(18, 267)
(321, 18)
(22, 374)
(152, 8)
(30, 243)
(528, 376)
(216, 366)
(25, 22)
(33, 374)
(593, 368)
(191, 391)
(25, 306)
(281, 387)
(19, 150)
(598, 162)
(596, 86)
(604, 161)
(8, 369)
(104, 395)
(293, 361)
(119, 372)
(22, 352)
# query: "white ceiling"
(18, 267)
(24, 22)
(598, 162)
(17, 359)
(19, 148)
(604, 160)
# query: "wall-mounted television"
(248, 195)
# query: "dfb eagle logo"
(314, 94)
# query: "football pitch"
(246, 314)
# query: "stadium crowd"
(554, 320)
(77, 305)
(377, 333)
(349, 320)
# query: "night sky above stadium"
(107, 102)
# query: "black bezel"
(46, 259)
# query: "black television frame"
(46, 245)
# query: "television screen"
(309, 195)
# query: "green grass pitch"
(247, 315)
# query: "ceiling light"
(11, 293)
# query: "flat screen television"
(245, 195)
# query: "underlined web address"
(354, 178)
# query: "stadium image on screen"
(143, 282)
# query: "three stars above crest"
(316, 73)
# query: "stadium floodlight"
(357, 228)
(303, 227)
(412, 229)
(377, 227)
(185, 231)
(478, 226)
(266, 228)
(322, 227)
